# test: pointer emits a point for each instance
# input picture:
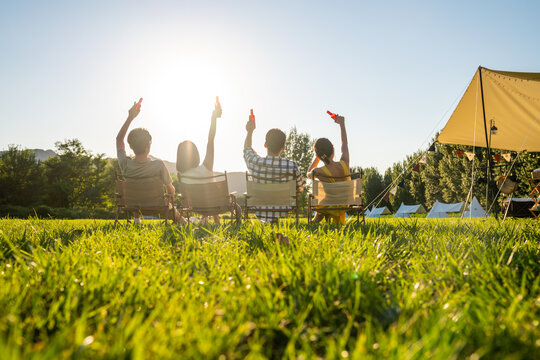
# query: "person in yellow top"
(332, 171)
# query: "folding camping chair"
(339, 195)
(508, 187)
(271, 194)
(144, 195)
(208, 196)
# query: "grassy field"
(403, 289)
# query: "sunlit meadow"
(407, 289)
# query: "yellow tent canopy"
(512, 105)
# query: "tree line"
(73, 178)
(444, 176)
(77, 178)
(447, 177)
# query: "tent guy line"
(504, 107)
(380, 196)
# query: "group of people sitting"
(270, 166)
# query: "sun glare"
(179, 98)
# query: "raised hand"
(134, 111)
(132, 114)
(250, 126)
(338, 119)
(217, 109)
(217, 112)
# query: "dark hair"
(187, 156)
(324, 149)
(275, 140)
(139, 139)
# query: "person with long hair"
(332, 171)
(188, 159)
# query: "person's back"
(187, 156)
(332, 171)
(141, 168)
(271, 168)
(142, 171)
(187, 160)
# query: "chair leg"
(238, 214)
(363, 215)
(309, 211)
(246, 212)
(233, 210)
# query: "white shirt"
(198, 172)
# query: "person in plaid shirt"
(270, 166)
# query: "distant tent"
(405, 211)
(441, 210)
(475, 210)
(511, 99)
(377, 212)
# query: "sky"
(394, 69)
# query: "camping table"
(517, 207)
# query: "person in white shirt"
(188, 159)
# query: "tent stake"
(488, 170)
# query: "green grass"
(403, 289)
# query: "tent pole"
(488, 170)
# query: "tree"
(400, 170)
(21, 180)
(455, 175)
(77, 178)
(298, 148)
(372, 183)
(99, 189)
(432, 179)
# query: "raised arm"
(132, 114)
(250, 127)
(209, 158)
(344, 143)
(312, 167)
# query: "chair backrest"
(211, 194)
(337, 193)
(505, 185)
(269, 193)
(237, 182)
(140, 194)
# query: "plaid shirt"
(270, 167)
